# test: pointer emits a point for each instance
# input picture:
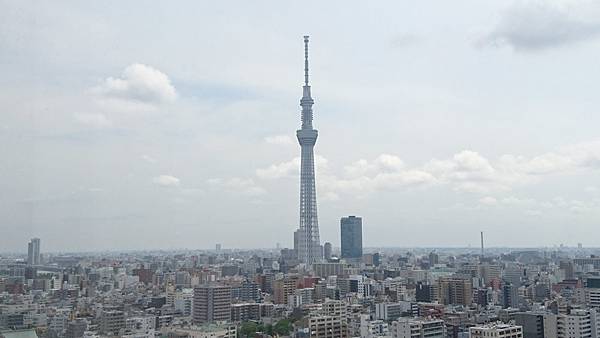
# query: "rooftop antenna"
(306, 60)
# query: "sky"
(167, 125)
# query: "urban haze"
(305, 169)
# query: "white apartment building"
(414, 328)
(497, 330)
(577, 324)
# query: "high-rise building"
(455, 290)
(111, 322)
(351, 236)
(212, 303)
(424, 292)
(510, 296)
(327, 248)
(490, 272)
(243, 312)
(283, 288)
(576, 324)
(434, 258)
(308, 241)
(33, 252)
(481, 297)
(537, 324)
(249, 291)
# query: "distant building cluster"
(391, 293)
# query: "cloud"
(488, 200)
(404, 40)
(237, 185)
(148, 158)
(139, 83)
(361, 177)
(534, 207)
(279, 170)
(591, 189)
(166, 181)
(289, 168)
(469, 171)
(363, 185)
(383, 163)
(539, 25)
(94, 120)
(466, 171)
(279, 140)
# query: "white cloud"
(166, 181)
(365, 184)
(359, 178)
(139, 83)
(237, 185)
(404, 40)
(488, 200)
(290, 168)
(279, 140)
(148, 158)
(279, 170)
(94, 120)
(383, 163)
(542, 24)
(466, 171)
(329, 196)
(535, 207)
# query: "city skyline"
(160, 175)
(117, 138)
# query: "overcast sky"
(138, 125)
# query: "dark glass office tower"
(351, 232)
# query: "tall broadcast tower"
(308, 244)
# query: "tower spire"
(306, 60)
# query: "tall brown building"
(283, 288)
(212, 303)
(455, 290)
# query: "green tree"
(269, 329)
(248, 329)
(283, 327)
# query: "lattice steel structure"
(309, 244)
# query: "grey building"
(76, 328)
(510, 296)
(212, 303)
(33, 252)
(351, 237)
(424, 292)
(111, 322)
(249, 291)
(327, 250)
(537, 324)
